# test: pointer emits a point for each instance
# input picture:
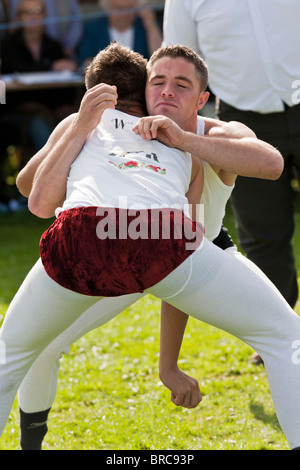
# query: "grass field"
(110, 396)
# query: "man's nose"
(168, 91)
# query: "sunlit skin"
(173, 90)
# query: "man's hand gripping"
(161, 128)
(95, 101)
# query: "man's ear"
(203, 98)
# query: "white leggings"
(223, 290)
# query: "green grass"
(110, 396)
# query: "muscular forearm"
(184, 389)
(246, 156)
(50, 179)
(173, 323)
(233, 148)
(26, 176)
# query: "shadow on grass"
(259, 413)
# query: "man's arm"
(245, 156)
(184, 389)
(211, 123)
(50, 180)
(44, 179)
(26, 176)
(226, 130)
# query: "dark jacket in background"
(17, 58)
(96, 37)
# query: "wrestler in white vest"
(170, 171)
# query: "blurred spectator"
(29, 48)
(33, 113)
(67, 33)
(139, 31)
(3, 17)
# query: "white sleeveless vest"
(143, 174)
(117, 168)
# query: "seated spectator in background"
(3, 17)
(30, 49)
(138, 31)
(29, 117)
(67, 33)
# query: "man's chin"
(167, 111)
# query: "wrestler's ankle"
(33, 428)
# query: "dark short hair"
(120, 66)
(178, 51)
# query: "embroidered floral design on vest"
(135, 164)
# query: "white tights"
(221, 289)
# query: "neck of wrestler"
(134, 108)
